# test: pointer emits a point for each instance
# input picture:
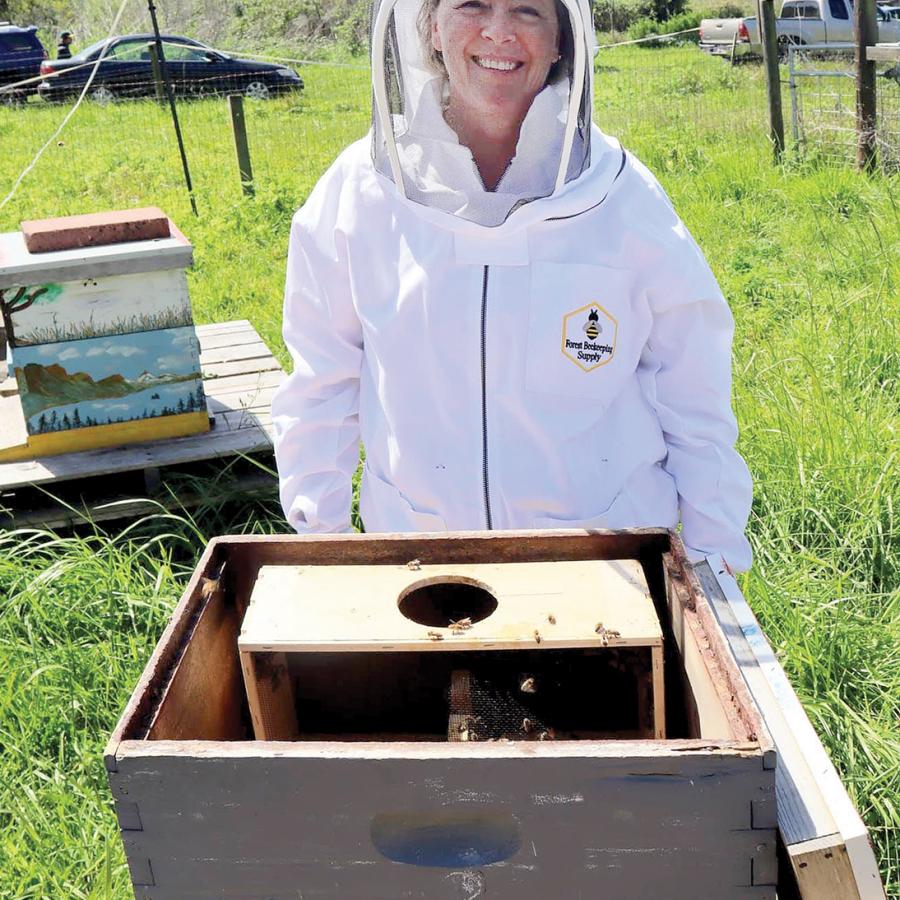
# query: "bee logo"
(592, 327)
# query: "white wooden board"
(883, 53)
(551, 605)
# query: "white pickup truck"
(801, 22)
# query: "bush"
(664, 10)
(726, 11)
(646, 27)
(610, 15)
(613, 16)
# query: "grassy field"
(809, 258)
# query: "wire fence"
(822, 88)
(681, 90)
(299, 115)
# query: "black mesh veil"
(407, 92)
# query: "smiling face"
(497, 54)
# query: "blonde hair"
(560, 69)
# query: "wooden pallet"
(827, 844)
(240, 376)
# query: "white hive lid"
(20, 267)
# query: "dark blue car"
(193, 69)
(21, 55)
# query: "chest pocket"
(586, 329)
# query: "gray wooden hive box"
(528, 750)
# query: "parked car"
(801, 22)
(193, 68)
(888, 17)
(21, 55)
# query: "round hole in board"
(438, 602)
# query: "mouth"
(497, 65)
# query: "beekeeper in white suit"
(501, 304)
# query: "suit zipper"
(484, 416)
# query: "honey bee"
(435, 636)
(527, 685)
(551, 619)
(414, 565)
(537, 636)
(460, 626)
(592, 326)
(527, 726)
(606, 634)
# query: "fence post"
(866, 109)
(239, 126)
(769, 39)
(157, 72)
(792, 85)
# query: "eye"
(526, 10)
(470, 5)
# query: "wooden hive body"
(205, 810)
(101, 337)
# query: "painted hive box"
(101, 335)
(517, 715)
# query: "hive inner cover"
(584, 603)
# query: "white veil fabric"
(415, 148)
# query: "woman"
(501, 303)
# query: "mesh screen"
(436, 170)
(554, 695)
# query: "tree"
(66, 423)
(42, 421)
(76, 418)
(21, 299)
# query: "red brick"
(95, 229)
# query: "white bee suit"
(556, 358)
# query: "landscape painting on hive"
(76, 310)
(106, 380)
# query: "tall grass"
(79, 331)
(809, 258)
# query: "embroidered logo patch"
(589, 336)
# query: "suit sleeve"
(315, 413)
(687, 364)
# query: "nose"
(499, 28)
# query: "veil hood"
(414, 148)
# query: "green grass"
(809, 257)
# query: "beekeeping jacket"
(552, 354)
